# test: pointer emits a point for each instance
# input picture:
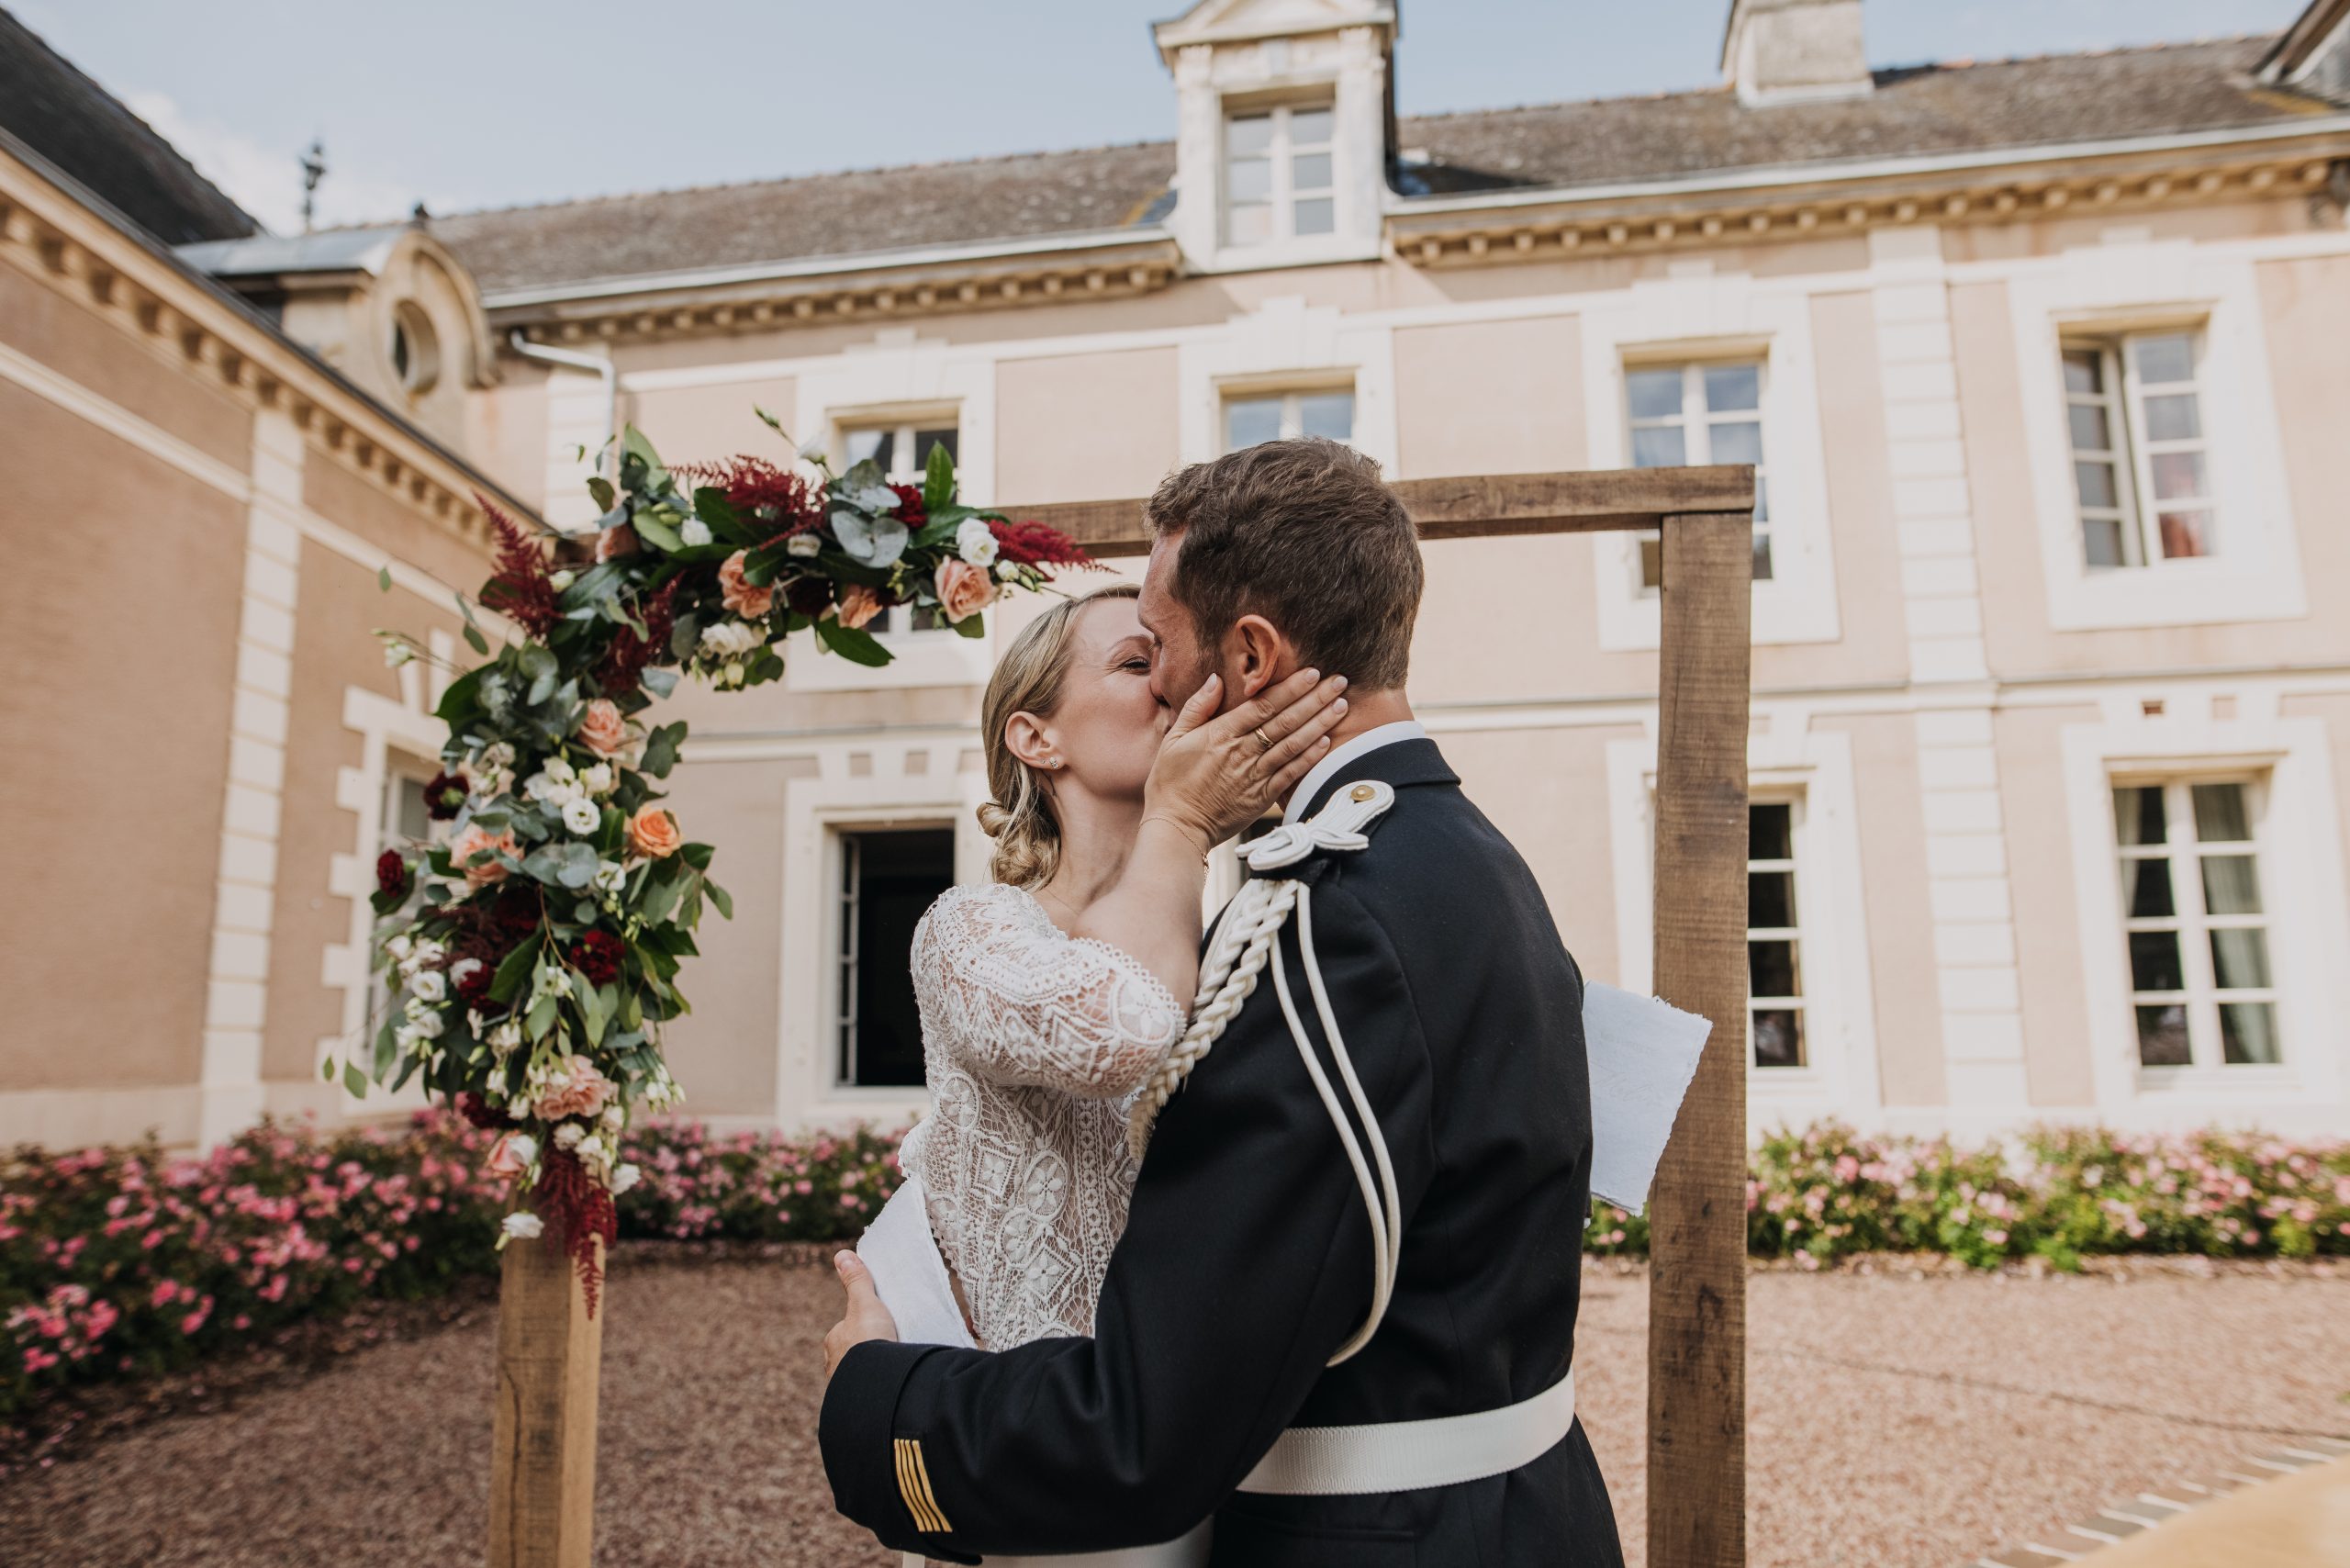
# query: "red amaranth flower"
(445, 796)
(520, 587)
(577, 1213)
(1037, 544)
(391, 874)
(771, 500)
(598, 954)
(623, 665)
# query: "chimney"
(1783, 51)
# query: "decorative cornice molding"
(1733, 216)
(865, 289)
(49, 233)
(1695, 214)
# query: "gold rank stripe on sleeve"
(913, 1486)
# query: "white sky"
(491, 103)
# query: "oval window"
(415, 348)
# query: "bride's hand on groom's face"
(1218, 772)
(866, 1319)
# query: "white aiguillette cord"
(1244, 939)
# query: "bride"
(1049, 995)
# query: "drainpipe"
(602, 368)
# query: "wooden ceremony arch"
(542, 1480)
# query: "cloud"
(267, 181)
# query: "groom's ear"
(1256, 654)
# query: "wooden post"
(1696, 1463)
(543, 1465)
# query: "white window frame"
(1696, 421)
(895, 626)
(1699, 315)
(1290, 397)
(2136, 515)
(1840, 1076)
(1283, 194)
(2190, 922)
(2309, 918)
(1283, 344)
(1795, 935)
(2137, 285)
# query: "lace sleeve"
(1018, 1002)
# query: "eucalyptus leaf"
(874, 542)
(660, 749)
(861, 475)
(875, 498)
(660, 682)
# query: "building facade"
(2041, 362)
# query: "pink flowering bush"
(124, 1262)
(2057, 1194)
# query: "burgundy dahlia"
(597, 955)
(445, 796)
(909, 509)
(391, 874)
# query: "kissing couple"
(1264, 1250)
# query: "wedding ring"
(1263, 746)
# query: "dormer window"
(1280, 175)
(415, 349)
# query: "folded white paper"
(909, 1274)
(1643, 1052)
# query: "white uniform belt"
(1404, 1456)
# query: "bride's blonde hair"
(1020, 818)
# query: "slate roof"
(1947, 108)
(85, 131)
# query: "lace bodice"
(1034, 1044)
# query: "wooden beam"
(1696, 1450)
(542, 1462)
(1471, 506)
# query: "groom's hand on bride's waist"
(866, 1319)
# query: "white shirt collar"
(1368, 740)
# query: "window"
(1253, 420)
(2197, 929)
(888, 879)
(903, 452)
(415, 348)
(1278, 175)
(1699, 414)
(1773, 937)
(2141, 461)
(406, 823)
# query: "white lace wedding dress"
(1034, 1045)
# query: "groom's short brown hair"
(1306, 534)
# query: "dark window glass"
(889, 879)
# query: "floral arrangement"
(532, 955)
(2057, 1194)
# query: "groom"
(1248, 1260)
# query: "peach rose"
(859, 604)
(742, 597)
(616, 542)
(602, 729)
(652, 833)
(963, 588)
(503, 1160)
(576, 1089)
(474, 841)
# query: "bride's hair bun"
(1020, 818)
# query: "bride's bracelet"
(1179, 828)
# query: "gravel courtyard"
(1896, 1421)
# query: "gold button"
(1362, 792)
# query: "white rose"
(506, 1037)
(523, 1148)
(426, 1023)
(560, 771)
(727, 640)
(582, 816)
(1007, 571)
(598, 780)
(523, 1227)
(428, 954)
(613, 1119)
(498, 754)
(623, 1178)
(431, 985)
(804, 545)
(568, 1134)
(975, 542)
(397, 948)
(609, 876)
(694, 532)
